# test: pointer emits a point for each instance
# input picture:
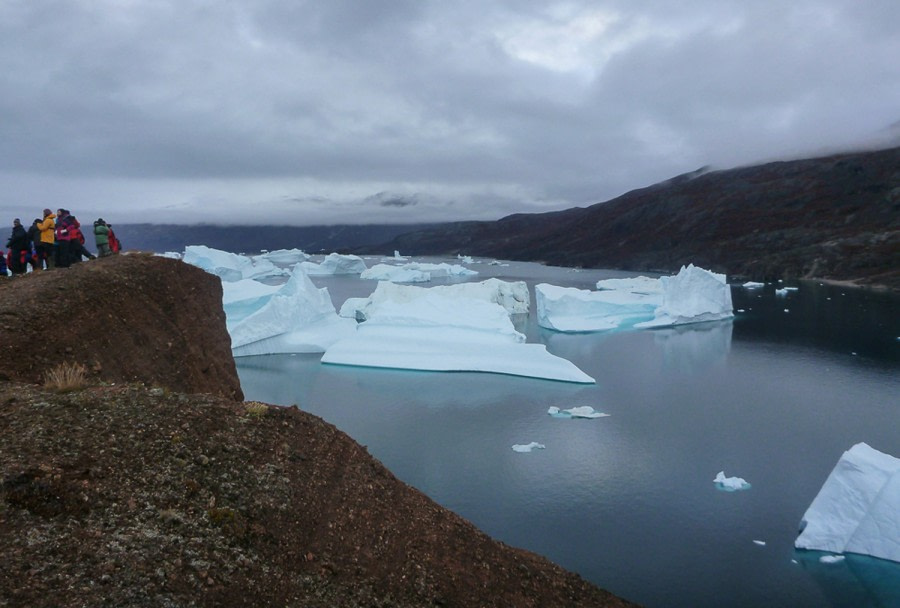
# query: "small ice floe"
(741, 310)
(761, 543)
(730, 484)
(787, 310)
(781, 292)
(584, 411)
(831, 559)
(528, 447)
(753, 285)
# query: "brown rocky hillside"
(836, 217)
(152, 484)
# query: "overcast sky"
(377, 111)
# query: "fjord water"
(774, 396)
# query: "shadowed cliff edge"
(153, 484)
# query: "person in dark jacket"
(19, 248)
(34, 242)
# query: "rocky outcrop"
(126, 318)
(836, 217)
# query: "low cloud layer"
(283, 111)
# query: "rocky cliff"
(126, 318)
(836, 217)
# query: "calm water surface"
(628, 501)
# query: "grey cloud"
(458, 110)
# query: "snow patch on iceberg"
(857, 510)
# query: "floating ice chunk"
(439, 333)
(465, 259)
(528, 447)
(298, 318)
(753, 285)
(761, 543)
(284, 257)
(513, 296)
(694, 295)
(730, 484)
(335, 263)
(857, 510)
(644, 285)
(397, 256)
(229, 266)
(442, 270)
(395, 274)
(568, 309)
(584, 411)
(832, 559)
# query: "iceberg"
(395, 274)
(229, 266)
(753, 285)
(297, 317)
(284, 257)
(440, 330)
(335, 263)
(528, 447)
(584, 411)
(569, 309)
(694, 295)
(730, 484)
(512, 296)
(857, 510)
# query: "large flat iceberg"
(858, 508)
(445, 331)
(694, 295)
(296, 317)
(569, 309)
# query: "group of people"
(54, 241)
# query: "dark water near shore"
(628, 501)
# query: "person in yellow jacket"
(45, 251)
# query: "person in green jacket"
(101, 238)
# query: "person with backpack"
(19, 248)
(76, 244)
(115, 245)
(101, 238)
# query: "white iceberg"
(568, 309)
(395, 274)
(694, 295)
(511, 295)
(440, 332)
(584, 411)
(335, 263)
(229, 266)
(857, 510)
(527, 447)
(753, 285)
(730, 484)
(438, 271)
(297, 318)
(284, 257)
